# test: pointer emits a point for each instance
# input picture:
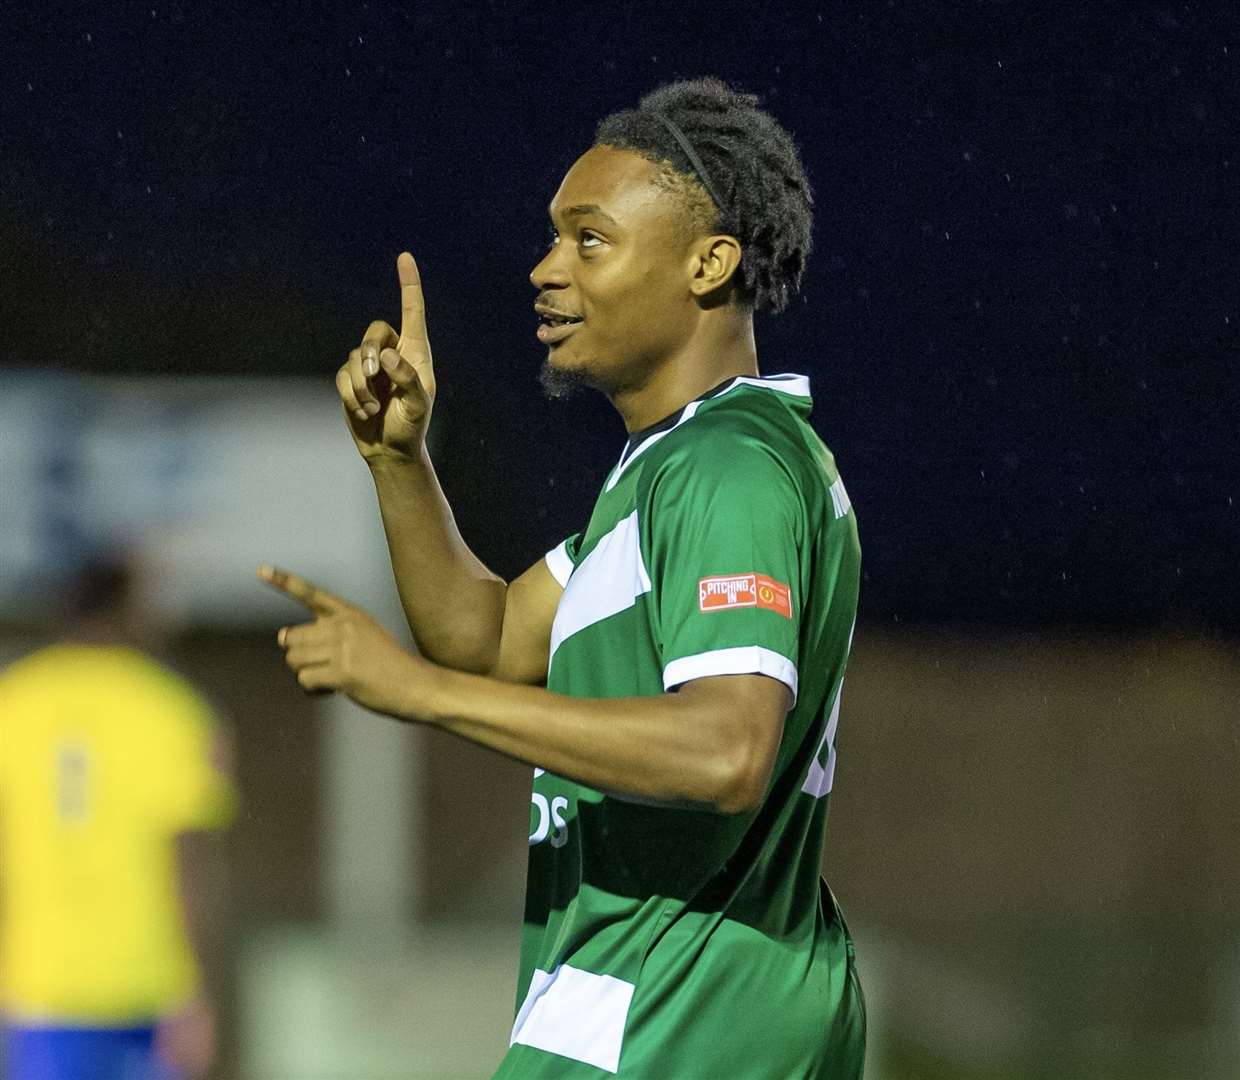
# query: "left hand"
(345, 649)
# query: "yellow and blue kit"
(105, 756)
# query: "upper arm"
(724, 532)
(746, 713)
(525, 640)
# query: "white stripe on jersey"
(607, 581)
(575, 1014)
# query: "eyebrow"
(589, 208)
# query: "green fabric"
(740, 963)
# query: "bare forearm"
(713, 743)
(669, 748)
(453, 603)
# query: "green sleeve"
(723, 529)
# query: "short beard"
(559, 384)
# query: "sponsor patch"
(744, 590)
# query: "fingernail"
(372, 408)
(280, 636)
(371, 367)
(362, 414)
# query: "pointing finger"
(414, 345)
(320, 601)
(412, 306)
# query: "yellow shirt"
(104, 757)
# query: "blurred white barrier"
(370, 842)
(208, 476)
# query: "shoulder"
(145, 684)
(47, 668)
(18, 669)
(745, 440)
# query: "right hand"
(387, 385)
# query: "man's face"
(620, 263)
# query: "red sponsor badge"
(744, 590)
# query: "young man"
(692, 638)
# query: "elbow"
(741, 781)
(739, 800)
(459, 655)
(737, 729)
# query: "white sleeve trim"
(744, 660)
(560, 565)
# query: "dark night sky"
(1021, 315)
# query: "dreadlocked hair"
(753, 165)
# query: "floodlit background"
(1020, 321)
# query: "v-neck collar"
(640, 441)
(668, 422)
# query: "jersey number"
(822, 769)
(72, 783)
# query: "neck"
(723, 347)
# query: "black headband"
(694, 160)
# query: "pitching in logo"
(744, 590)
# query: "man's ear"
(715, 261)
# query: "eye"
(553, 237)
(589, 240)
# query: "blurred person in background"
(686, 650)
(109, 763)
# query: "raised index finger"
(320, 601)
(412, 307)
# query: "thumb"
(398, 369)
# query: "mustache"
(549, 301)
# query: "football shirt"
(673, 942)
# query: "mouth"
(554, 326)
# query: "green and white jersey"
(663, 942)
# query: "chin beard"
(562, 383)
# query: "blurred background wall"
(1021, 325)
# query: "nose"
(550, 272)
